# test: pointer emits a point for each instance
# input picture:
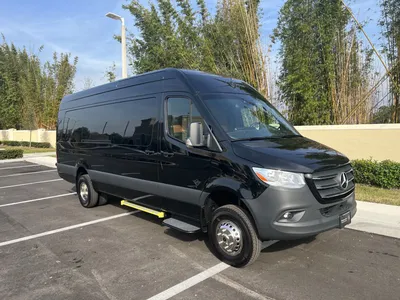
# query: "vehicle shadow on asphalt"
(182, 236)
(185, 237)
(203, 237)
(284, 245)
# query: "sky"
(80, 27)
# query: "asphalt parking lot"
(52, 248)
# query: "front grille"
(335, 209)
(328, 186)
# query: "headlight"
(280, 178)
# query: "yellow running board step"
(159, 214)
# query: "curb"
(39, 154)
(377, 218)
(31, 156)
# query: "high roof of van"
(165, 80)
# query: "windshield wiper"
(259, 138)
(288, 136)
(253, 139)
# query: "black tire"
(247, 248)
(92, 198)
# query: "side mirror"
(196, 138)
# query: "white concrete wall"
(377, 141)
(39, 135)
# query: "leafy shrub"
(384, 174)
(36, 145)
(11, 153)
(11, 143)
(25, 144)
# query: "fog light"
(292, 216)
(287, 215)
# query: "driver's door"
(183, 171)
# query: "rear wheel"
(88, 197)
(234, 237)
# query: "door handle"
(149, 152)
(167, 154)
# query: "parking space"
(16, 170)
(34, 191)
(52, 248)
(10, 180)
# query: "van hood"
(294, 154)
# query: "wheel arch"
(80, 170)
(219, 196)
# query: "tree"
(58, 81)
(325, 69)
(163, 36)
(31, 86)
(182, 37)
(30, 92)
(10, 95)
(110, 73)
(235, 42)
(390, 24)
(383, 115)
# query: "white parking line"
(28, 173)
(35, 236)
(188, 283)
(13, 160)
(19, 167)
(221, 278)
(30, 183)
(240, 288)
(35, 200)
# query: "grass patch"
(28, 150)
(377, 195)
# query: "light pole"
(123, 41)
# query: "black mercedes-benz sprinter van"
(205, 153)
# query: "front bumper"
(274, 202)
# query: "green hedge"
(384, 174)
(11, 153)
(25, 144)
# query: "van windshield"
(248, 117)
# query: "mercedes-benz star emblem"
(344, 181)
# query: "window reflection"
(132, 123)
(181, 112)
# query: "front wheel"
(88, 197)
(234, 237)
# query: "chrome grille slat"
(336, 195)
(323, 187)
(327, 182)
(324, 177)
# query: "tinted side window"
(132, 123)
(180, 113)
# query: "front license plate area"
(344, 219)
